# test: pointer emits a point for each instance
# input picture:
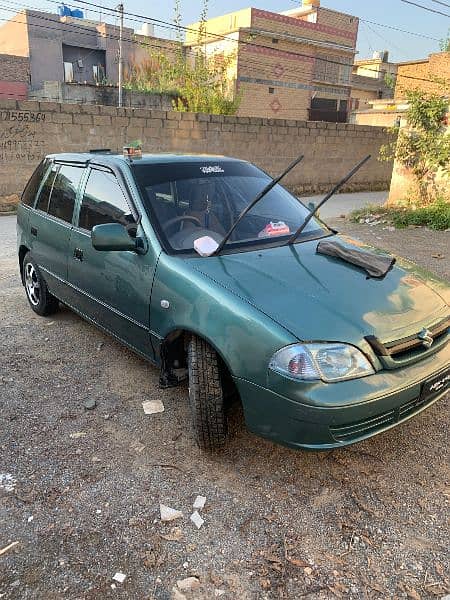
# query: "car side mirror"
(113, 236)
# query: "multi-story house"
(295, 65)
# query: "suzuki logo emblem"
(426, 337)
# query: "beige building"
(419, 74)
(370, 80)
(294, 65)
(416, 74)
(72, 49)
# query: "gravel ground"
(83, 495)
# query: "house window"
(271, 90)
(98, 73)
(332, 68)
(68, 72)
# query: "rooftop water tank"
(147, 29)
(63, 11)
(77, 13)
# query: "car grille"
(402, 351)
(366, 427)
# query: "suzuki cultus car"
(212, 271)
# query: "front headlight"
(329, 362)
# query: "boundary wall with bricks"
(29, 130)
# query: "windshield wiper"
(308, 218)
(268, 187)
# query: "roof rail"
(100, 151)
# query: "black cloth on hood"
(373, 264)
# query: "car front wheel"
(40, 299)
(206, 395)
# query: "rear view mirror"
(112, 236)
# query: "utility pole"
(120, 9)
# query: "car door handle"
(34, 231)
(78, 254)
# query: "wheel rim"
(32, 284)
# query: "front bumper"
(321, 416)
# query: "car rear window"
(46, 189)
(64, 192)
(32, 187)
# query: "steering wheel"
(181, 218)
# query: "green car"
(264, 303)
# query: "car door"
(110, 287)
(50, 224)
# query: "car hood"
(317, 297)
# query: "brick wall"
(437, 65)
(29, 130)
(14, 76)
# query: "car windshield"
(187, 201)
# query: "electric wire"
(438, 12)
(82, 31)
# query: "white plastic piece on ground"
(218, 593)
(169, 514)
(77, 434)
(196, 519)
(7, 482)
(153, 406)
(119, 577)
(190, 583)
(30, 518)
(199, 502)
(205, 245)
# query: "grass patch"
(434, 216)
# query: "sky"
(371, 37)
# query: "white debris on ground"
(199, 502)
(7, 548)
(196, 519)
(169, 514)
(77, 434)
(218, 593)
(7, 482)
(119, 577)
(152, 407)
(190, 583)
(30, 518)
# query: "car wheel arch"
(23, 250)
(174, 348)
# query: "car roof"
(108, 158)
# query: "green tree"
(444, 44)
(423, 146)
(200, 81)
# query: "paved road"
(343, 204)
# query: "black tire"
(206, 395)
(42, 302)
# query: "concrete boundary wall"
(31, 129)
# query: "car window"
(103, 202)
(32, 187)
(46, 189)
(64, 192)
(206, 199)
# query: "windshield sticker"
(274, 228)
(212, 169)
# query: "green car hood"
(317, 297)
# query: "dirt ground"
(80, 489)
